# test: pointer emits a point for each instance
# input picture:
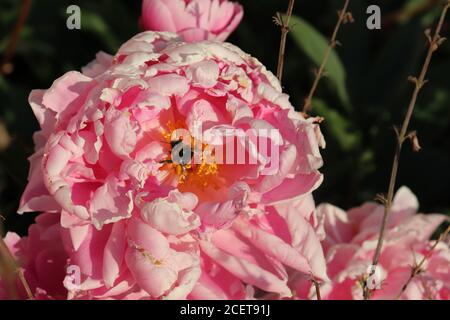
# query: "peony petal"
(110, 203)
(114, 254)
(247, 272)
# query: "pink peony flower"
(108, 136)
(350, 243)
(194, 20)
(42, 258)
(139, 223)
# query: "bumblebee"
(174, 146)
(182, 166)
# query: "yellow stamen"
(199, 175)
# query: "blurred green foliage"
(365, 93)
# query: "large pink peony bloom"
(140, 224)
(42, 258)
(350, 242)
(194, 20)
(107, 137)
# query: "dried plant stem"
(10, 267)
(317, 287)
(284, 24)
(6, 66)
(343, 16)
(403, 135)
(417, 268)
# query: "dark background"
(358, 129)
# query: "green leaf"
(413, 8)
(314, 45)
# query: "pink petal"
(114, 253)
(110, 203)
(247, 272)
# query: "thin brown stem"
(343, 17)
(418, 268)
(317, 287)
(6, 269)
(403, 135)
(6, 66)
(284, 24)
(10, 268)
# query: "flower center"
(188, 162)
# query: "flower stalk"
(9, 268)
(344, 17)
(284, 24)
(417, 269)
(403, 135)
(317, 288)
